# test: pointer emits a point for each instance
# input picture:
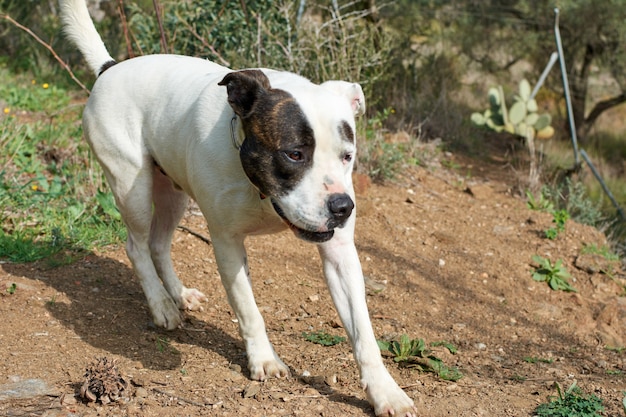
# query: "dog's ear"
(243, 89)
(352, 91)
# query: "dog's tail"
(80, 29)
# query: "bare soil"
(453, 258)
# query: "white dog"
(259, 151)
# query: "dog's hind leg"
(131, 183)
(169, 206)
(263, 362)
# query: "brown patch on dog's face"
(279, 141)
(346, 132)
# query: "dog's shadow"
(101, 300)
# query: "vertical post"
(568, 100)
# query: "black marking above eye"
(346, 132)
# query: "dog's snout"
(340, 206)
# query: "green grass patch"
(52, 193)
(571, 403)
(535, 359)
(323, 338)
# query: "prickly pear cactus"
(521, 119)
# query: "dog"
(260, 151)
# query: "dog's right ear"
(244, 88)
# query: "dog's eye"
(295, 156)
(347, 157)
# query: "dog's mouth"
(309, 235)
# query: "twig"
(203, 41)
(129, 46)
(157, 10)
(47, 46)
(196, 234)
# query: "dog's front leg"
(232, 263)
(347, 288)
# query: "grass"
(572, 403)
(52, 193)
(323, 338)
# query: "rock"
(26, 388)
(251, 390)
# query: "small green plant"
(413, 353)
(617, 349)
(540, 204)
(381, 158)
(52, 301)
(559, 218)
(323, 338)
(11, 288)
(571, 403)
(555, 275)
(163, 344)
(604, 251)
(534, 359)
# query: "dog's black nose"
(340, 207)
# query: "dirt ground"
(452, 253)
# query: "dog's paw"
(262, 370)
(165, 313)
(388, 398)
(191, 299)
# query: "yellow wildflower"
(45, 85)
(34, 187)
(33, 82)
(7, 110)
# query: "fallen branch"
(47, 46)
(196, 234)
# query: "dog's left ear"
(352, 91)
(243, 89)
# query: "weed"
(559, 218)
(52, 301)
(11, 288)
(52, 206)
(534, 359)
(555, 275)
(617, 349)
(323, 338)
(413, 353)
(604, 251)
(541, 204)
(571, 403)
(163, 344)
(380, 158)
(572, 197)
(451, 348)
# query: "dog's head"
(299, 147)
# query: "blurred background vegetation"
(425, 66)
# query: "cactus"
(521, 119)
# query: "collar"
(233, 132)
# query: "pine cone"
(103, 382)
